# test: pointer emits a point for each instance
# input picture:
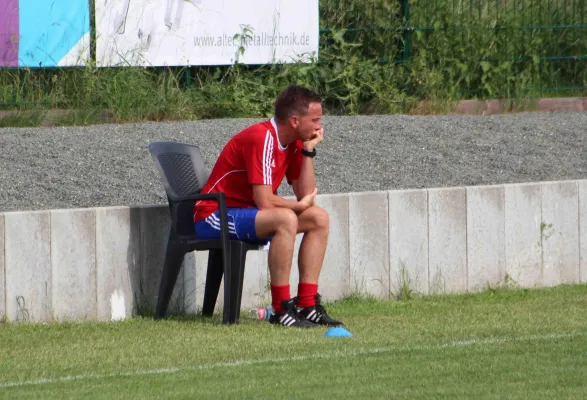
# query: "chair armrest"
(205, 196)
(220, 198)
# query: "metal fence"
(539, 31)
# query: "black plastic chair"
(183, 175)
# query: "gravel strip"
(109, 165)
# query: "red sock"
(278, 294)
(307, 294)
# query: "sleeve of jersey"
(258, 155)
(294, 169)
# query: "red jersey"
(254, 156)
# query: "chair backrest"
(180, 167)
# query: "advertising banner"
(205, 32)
(44, 33)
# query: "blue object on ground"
(337, 332)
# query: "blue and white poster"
(44, 33)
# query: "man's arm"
(265, 199)
(306, 183)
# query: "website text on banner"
(41, 33)
(202, 32)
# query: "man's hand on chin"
(317, 137)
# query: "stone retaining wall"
(104, 263)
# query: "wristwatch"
(307, 153)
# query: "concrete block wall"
(2, 270)
(118, 250)
(583, 229)
(485, 237)
(447, 240)
(369, 243)
(560, 244)
(523, 233)
(105, 263)
(408, 240)
(27, 266)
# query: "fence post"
(407, 32)
(188, 76)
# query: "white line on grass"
(239, 363)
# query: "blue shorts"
(241, 226)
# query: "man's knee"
(276, 220)
(319, 218)
(286, 220)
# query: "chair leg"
(173, 260)
(229, 278)
(238, 260)
(213, 280)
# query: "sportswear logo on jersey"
(267, 157)
(273, 163)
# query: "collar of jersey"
(277, 134)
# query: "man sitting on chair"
(249, 171)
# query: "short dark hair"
(294, 99)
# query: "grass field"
(497, 344)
